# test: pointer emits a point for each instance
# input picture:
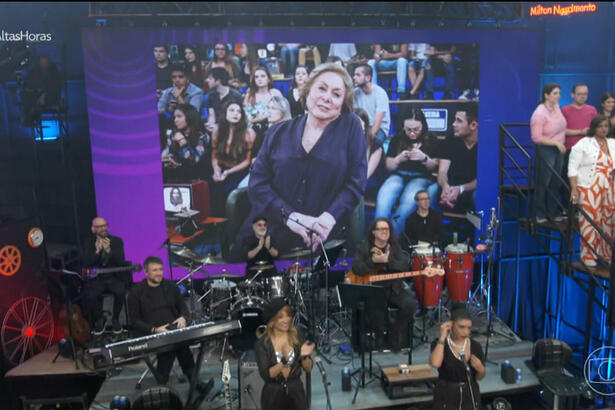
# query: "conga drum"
(428, 289)
(459, 267)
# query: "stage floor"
(503, 346)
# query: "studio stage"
(38, 377)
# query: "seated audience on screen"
(417, 59)
(309, 50)
(258, 95)
(289, 54)
(194, 65)
(224, 58)
(440, 55)
(294, 94)
(375, 155)
(374, 100)
(231, 147)
(457, 168)
(411, 163)
(220, 94)
(387, 57)
(163, 69)
(182, 92)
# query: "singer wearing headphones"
(280, 357)
(460, 362)
(424, 226)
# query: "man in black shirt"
(259, 247)
(217, 81)
(424, 226)
(458, 161)
(104, 251)
(155, 306)
(163, 68)
(382, 254)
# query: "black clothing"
(401, 143)
(280, 393)
(163, 77)
(296, 108)
(397, 293)
(463, 161)
(262, 255)
(216, 103)
(116, 283)
(38, 83)
(452, 385)
(429, 229)
(151, 307)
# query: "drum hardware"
(189, 278)
(296, 253)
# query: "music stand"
(362, 299)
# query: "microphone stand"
(190, 278)
(325, 383)
(313, 233)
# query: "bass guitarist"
(379, 255)
(104, 251)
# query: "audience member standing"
(548, 127)
(590, 172)
(607, 108)
(578, 115)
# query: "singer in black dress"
(281, 357)
(460, 362)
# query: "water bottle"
(346, 379)
(518, 376)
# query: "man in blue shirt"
(182, 92)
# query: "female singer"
(460, 363)
(280, 357)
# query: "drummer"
(260, 250)
(424, 226)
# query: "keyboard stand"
(190, 405)
(152, 369)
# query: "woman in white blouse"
(591, 173)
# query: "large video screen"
(213, 132)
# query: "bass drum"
(249, 312)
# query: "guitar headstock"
(226, 372)
(431, 271)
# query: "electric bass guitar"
(91, 273)
(378, 277)
(226, 379)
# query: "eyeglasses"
(381, 229)
(416, 130)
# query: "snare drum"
(221, 298)
(459, 267)
(277, 287)
(428, 289)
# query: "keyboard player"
(155, 306)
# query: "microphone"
(462, 356)
(321, 368)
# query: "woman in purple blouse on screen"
(311, 170)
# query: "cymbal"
(260, 267)
(213, 260)
(227, 277)
(298, 252)
(334, 243)
(262, 263)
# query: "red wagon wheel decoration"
(10, 260)
(27, 329)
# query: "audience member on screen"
(578, 115)
(231, 153)
(416, 66)
(311, 170)
(188, 146)
(388, 57)
(258, 95)
(220, 94)
(182, 92)
(548, 127)
(458, 161)
(442, 54)
(345, 51)
(373, 99)
(289, 53)
(309, 50)
(607, 108)
(590, 172)
(163, 68)
(294, 94)
(410, 160)
(224, 58)
(194, 65)
(375, 157)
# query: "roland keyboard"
(160, 342)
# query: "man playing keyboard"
(382, 254)
(155, 306)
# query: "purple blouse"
(332, 177)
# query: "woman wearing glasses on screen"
(224, 58)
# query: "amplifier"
(251, 384)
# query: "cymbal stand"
(297, 299)
(189, 277)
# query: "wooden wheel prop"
(10, 260)
(27, 329)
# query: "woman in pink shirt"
(548, 127)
